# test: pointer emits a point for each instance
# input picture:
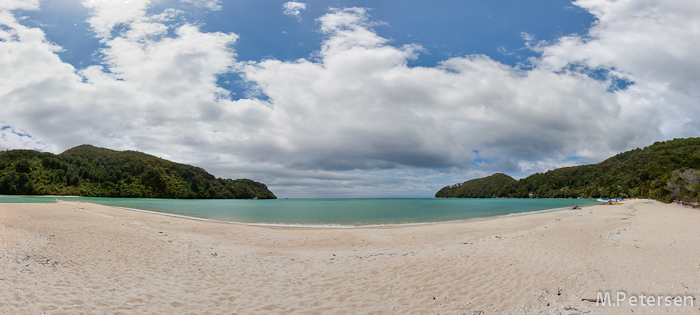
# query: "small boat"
(611, 201)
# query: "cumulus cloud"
(293, 9)
(213, 5)
(356, 118)
(13, 138)
(19, 5)
(650, 43)
(149, 85)
(106, 15)
(362, 92)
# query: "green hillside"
(96, 172)
(668, 171)
(487, 187)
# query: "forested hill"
(97, 172)
(668, 171)
(487, 187)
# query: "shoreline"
(75, 257)
(332, 226)
(335, 226)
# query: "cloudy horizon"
(350, 100)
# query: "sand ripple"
(72, 258)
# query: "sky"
(351, 98)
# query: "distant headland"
(667, 171)
(98, 172)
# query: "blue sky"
(351, 98)
(453, 28)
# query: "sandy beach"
(77, 258)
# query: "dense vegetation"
(668, 171)
(487, 187)
(96, 172)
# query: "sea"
(341, 213)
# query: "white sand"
(76, 258)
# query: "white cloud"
(19, 5)
(150, 90)
(356, 117)
(213, 5)
(106, 15)
(651, 43)
(361, 92)
(293, 8)
(12, 138)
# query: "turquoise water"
(329, 212)
(26, 199)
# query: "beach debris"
(571, 308)
(48, 262)
(592, 300)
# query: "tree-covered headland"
(667, 171)
(97, 172)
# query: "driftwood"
(592, 300)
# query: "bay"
(329, 212)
